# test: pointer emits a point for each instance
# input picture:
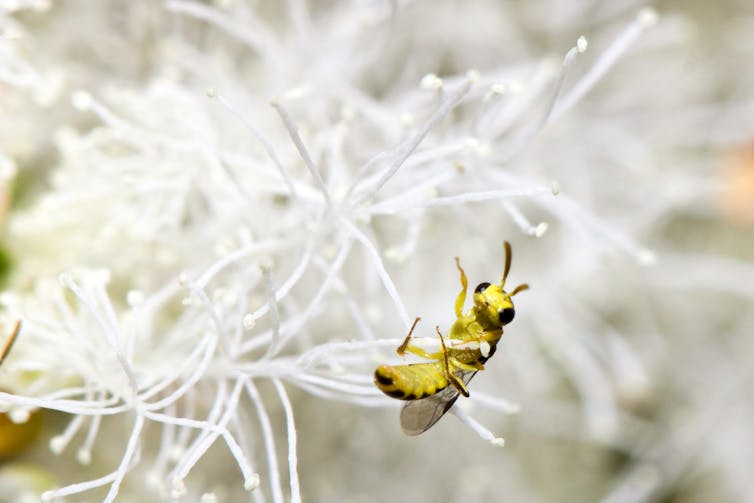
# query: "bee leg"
(458, 384)
(464, 286)
(452, 379)
(402, 348)
(473, 367)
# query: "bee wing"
(417, 416)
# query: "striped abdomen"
(411, 382)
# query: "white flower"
(243, 213)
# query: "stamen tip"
(484, 348)
(84, 457)
(647, 16)
(253, 482)
(555, 187)
(647, 257)
(431, 82)
(582, 43)
(540, 230)
(81, 100)
(178, 488)
(57, 444)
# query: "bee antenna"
(519, 288)
(508, 257)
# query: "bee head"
(493, 303)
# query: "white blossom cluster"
(221, 216)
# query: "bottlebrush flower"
(243, 206)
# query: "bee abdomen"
(410, 382)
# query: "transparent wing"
(417, 416)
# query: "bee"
(430, 389)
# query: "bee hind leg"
(452, 379)
(402, 348)
(405, 346)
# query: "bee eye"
(481, 287)
(506, 315)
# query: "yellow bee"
(431, 388)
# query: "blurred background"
(166, 238)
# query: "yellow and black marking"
(435, 385)
(411, 382)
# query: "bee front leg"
(464, 286)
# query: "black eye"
(506, 315)
(481, 287)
